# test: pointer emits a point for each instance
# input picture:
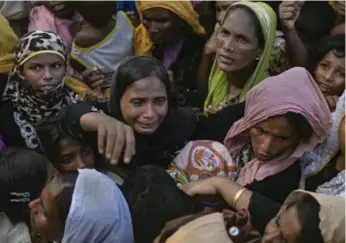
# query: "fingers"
(97, 82)
(101, 137)
(119, 144)
(89, 71)
(112, 136)
(130, 144)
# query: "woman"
(328, 67)
(243, 53)
(267, 143)
(140, 98)
(324, 168)
(304, 217)
(24, 173)
(35, 88)
(171, 32)
(70, 210)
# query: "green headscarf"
(218, 83)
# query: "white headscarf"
(98, 212)
(313, 162)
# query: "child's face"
(61, 9)
(74, 156)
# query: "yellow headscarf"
(218, 83)
(8, 42)
(183, 9)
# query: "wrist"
(89, 121)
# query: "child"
(104, 41)
(59, 17)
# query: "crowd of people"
(172, 121)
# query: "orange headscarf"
(183, 9)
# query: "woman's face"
(330, 74)
(74, 156)
(239, 44)
(163, 25)
(285, 227)
(221, 7)
(44, 214)
(44, 72)
(272, 137)
(144, 105)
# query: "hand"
(93, 77)
(340, 7)
(211, 47)
(205, 187)
(289, 12)
(112, 136)
(93, 95)
(134, 18)
(332, 101)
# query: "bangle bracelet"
(237, 196)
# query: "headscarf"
(8, 42)
(332, 215)
(292, 91)
(313, 162)
(177, 126)
(98, 211)
(184, 9)
(218, 82)
(208, 228)
(30, 108)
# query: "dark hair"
(50, 133)
(23, 175)
(300, 125)
(330, 43)
(257, 25)
(132, 70)
(154, 199)
(308, 215)
(96, 13)
(64, 198)
(315, 20)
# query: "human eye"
(57, 65)
(137, 102)
(66, 160)
(160, 101)
(35, 67)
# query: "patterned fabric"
(111, 51)
(203, 159)
(315, 161)
(31, 106)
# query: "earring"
(258, 57)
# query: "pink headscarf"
(291, 91)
